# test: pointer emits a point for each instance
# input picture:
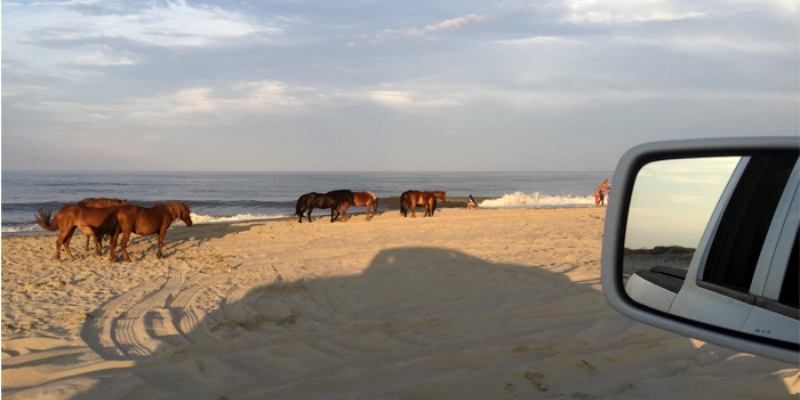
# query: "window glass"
(744, 225)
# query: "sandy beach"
(484, 304)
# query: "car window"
(744, 225)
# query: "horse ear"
(188, 204)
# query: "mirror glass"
(671, 204)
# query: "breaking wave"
(537, 200)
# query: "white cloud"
(100, 57)
(540, 40)
(707, 44)
(626, 12)
(176, 24)
(454, 23)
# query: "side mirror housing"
(701, 239)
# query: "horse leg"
(309, 214)
(161, 234)
(112, 247)
(98, 245)
(333, 217)
(87, 241)
(59, 242)
(123, 245)
(368, 207)
(345, 206)
(66, 240)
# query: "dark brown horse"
(97, 203)
(73, 216)
(338, 201)
(366, 199)
(148, 221)
(409, 201)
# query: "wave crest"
(537, 200)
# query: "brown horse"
(73, 216)
(148, 221)
(366, 199)
(409, 200)
(97, 203)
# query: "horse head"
(186, 215)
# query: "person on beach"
(471, 203)
(604, 189)
(597, 197)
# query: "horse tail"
(43, 219)
(403, 203)
(109, 226)
(299, 206)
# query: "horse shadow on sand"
(144, 246)
(417, 322)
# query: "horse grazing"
(338, 201)
(366, 199)
(85, 219)
(409, 200)
(97, 203)
(148, 221)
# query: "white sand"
(487, 304)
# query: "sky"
(362, 85)
(672, 201)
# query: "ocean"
(239, 196)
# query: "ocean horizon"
(222, 196)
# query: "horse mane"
(173, 209)
(103, 202)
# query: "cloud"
(101, 56)
(626, 12)
(455, 23)
(540, 40)
(160, 24)
(706, 44)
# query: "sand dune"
(486, 304)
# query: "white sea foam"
(537, 200)
(21, 229)
(210, 219)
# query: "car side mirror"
(701, 238)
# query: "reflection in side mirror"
(702, 239)
(670, 207)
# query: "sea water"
(238, 196)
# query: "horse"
(85, 219)
(366, 199)
(100, 202)
(338, 201)
(305, 203)
(148, 221)
(410, 199)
